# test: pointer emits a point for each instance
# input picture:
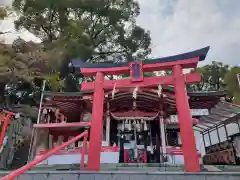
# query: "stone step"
(117, 167)
(211, 168)
(137, 168)
(113, 175)
(228, 168)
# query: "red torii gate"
(177, 79)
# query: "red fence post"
(84, 147)
(191, 161)
(95, 143)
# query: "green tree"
(94, 30)
(212, 77)
(23, 66)
(232, 84)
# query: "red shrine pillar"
(95, 143)
(191, 161)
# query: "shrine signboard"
(194, 112)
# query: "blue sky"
(178, 26)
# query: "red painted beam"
(188, 63)
(134, 114)
(148, 82)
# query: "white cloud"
(5, 2)
(8, 26)
(182, 25)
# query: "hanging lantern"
(113, 91)
(151, 143)
(135, 92)
(118, 126)
(45, 111)
(129, 125)
(139, 126)
(145, 126)
(123, 126)
(136, 124)
(159, 91)
(134, 104)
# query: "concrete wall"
(126, 176)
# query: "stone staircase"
(123, 172)
(151, 167)
(154, 167)
(121, 175)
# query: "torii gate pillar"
(95, 144)
(191, 161)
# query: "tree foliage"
(212, 77)
(22, 65)
(233, 84)
(219, 76)
(94, 30)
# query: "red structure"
(136, 69)
(67, 118)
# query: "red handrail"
(30, 165)
(84, 148)
(4, 129)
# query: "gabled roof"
(201, 53)
(69, 103)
